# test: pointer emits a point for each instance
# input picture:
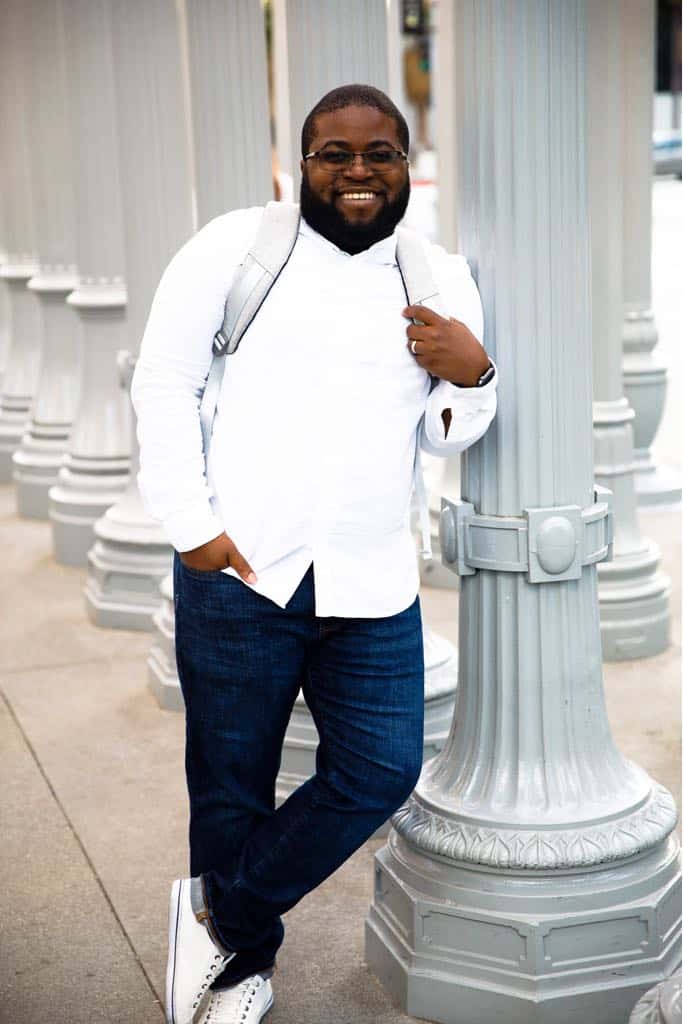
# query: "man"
(295, 563)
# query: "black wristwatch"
(486, 376)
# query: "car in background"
(666, 152)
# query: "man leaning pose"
(295, 564)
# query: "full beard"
(327, 220)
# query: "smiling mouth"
(358, 198)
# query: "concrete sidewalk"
(94, 813)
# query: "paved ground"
(93, 808)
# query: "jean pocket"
(201, 574)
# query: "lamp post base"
(77, 501)
(126, 565)
(460, 944)
(634, 606)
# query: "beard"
(329, 222)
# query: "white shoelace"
(232, 1005)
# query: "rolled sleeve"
(472, 410)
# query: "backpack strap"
(416, 274)
(420, 289)
(256, 275)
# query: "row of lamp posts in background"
(145, 177)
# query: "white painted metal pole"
(230, 115)
(22, 364)
(633, 593)
(329, 45)
(131, 554)
(644, 371)
(531, 854)
(95, 468)
(37, 460)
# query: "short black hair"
(354, 96)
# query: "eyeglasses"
(333, 160)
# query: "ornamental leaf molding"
(504, 847)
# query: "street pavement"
(93, 816)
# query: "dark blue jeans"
(241, 661)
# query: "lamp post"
(633, 592)
(22, 364)
(131, 554)
(37, 460)
(95, 468)
(532, 875)
(643, 369)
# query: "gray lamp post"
(25, 339)
(633, 593)
(95, 469)
(224, 54)
(37, 460)
(329, 45)
(131, 554)
(532, 875)
(644, 371)
(230, 114)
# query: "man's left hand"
(445, 348)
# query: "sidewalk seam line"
(13, 715)
(95, 660)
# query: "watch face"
(486, 376)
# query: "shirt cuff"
(192, 527)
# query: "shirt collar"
(382, 252)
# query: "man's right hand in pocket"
(217, 554)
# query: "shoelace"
(235, 1001)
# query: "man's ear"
(302, 164)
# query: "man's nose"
(358, 167)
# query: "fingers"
(239, 563)
(419, 333)
(423, 314)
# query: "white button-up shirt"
(314, 441)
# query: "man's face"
(327, 197)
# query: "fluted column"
(4, 308)
(37, 460)
(230, 115)
(633, 593)
(25, 338)
(95, 468)
(131, 554)
(644, 371)
(224, 67)
(328, 45)
(532, 875)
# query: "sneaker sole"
(266, 1009)
(173, 923)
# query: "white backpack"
(256, 275)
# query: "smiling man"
(295, 564)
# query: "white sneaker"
(193, 958)
(245, 1003)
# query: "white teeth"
(358, 195)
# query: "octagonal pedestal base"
(534, 948)
(634, 606)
